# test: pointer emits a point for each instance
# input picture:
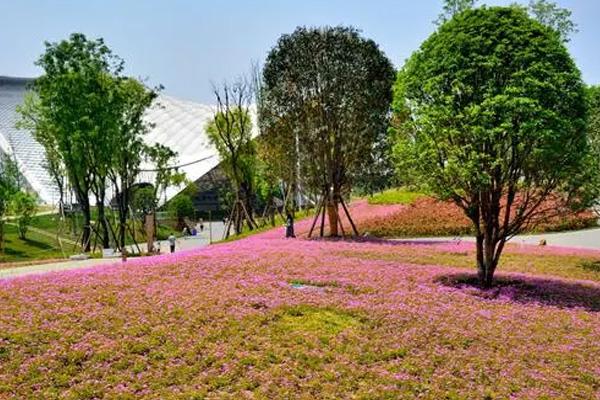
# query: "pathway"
(585, 239)
(185, 243)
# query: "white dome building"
(178, 124)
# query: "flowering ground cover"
(266, 317)
(426, 216)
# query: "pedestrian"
(289, 226)
(172, 239)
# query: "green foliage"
(551, 15)
(492, 108)
(181, 207)
(10, 178)
(23, 206)
(395, 196)
(453, 7)
(162, 158)
(324, 105)
(230, 132)
(143, 200)
(593, 127)
(89, 118)
(75, 113)
(9, 182)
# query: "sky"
(187, 45)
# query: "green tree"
(453, 7)
(230, 131)
(23, 206)
(73, 114)
(553, 16)
(593, 101)
(9, 186)
(326, 96)
(165, 174)
(496, 121)
(128, 146)
(181, 207)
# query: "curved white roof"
(178, 124)
(29, 154)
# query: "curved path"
(585, 239)
(185, 243)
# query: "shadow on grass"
(590, 266)
(9, 251)
(529, 290)
(37, 244)
(391, 242)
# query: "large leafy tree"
(494, 119)
(325, 101)
(74, 113)
(89, 118)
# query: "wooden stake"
(312, 227)
(349, 217)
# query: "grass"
(564, 266)
(375, 320)
(34, 247)
(395, 196)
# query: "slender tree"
(128, 146)
(230, 131)
(553, 16)
(9, 186)
(495, 121)
(453, 7)
(326, 98)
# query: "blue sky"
(185, 44)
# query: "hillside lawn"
(265, 317)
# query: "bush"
(181, 207)
(23, 206)
(429, 217)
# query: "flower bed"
(227, 322)
(429, 217)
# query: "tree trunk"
(87, 229)
(487, 260)
(150, 231)
(332, 214)
(103, 224)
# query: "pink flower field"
(265, 318)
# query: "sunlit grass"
(395, 196)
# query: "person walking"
(172, 239)
(289, 226)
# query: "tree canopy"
(89, 118)
(325, 100)
(494, 119)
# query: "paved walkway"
(585, 239)
(185, 243)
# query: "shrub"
(23, 207)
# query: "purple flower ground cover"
(265, 318)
